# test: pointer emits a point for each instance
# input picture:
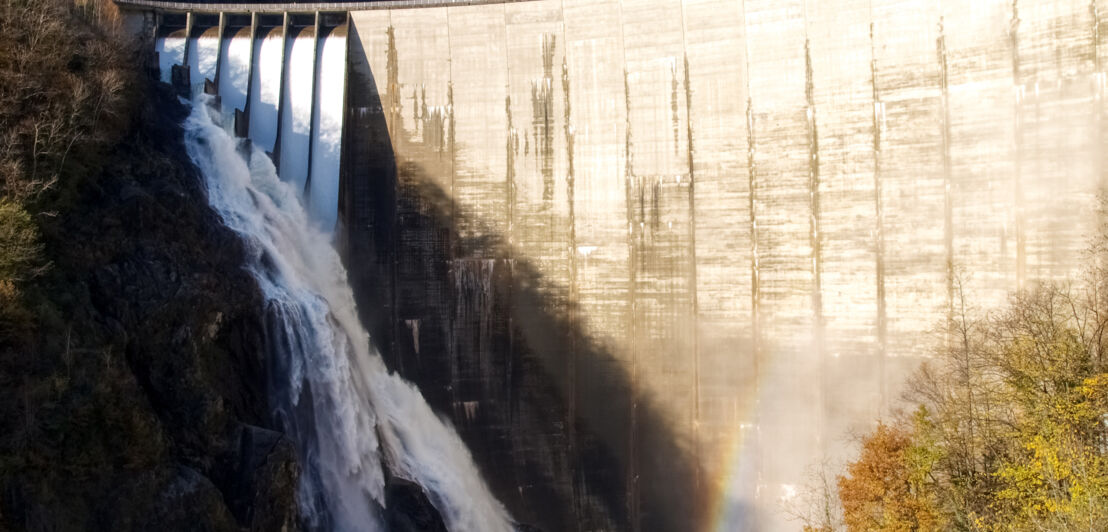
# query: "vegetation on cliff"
(131, 343)
(62, 103)
(1009, 429)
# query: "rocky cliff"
(137, 373)
(138, 399)
(132, 371)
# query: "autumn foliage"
(884, 489)
(1009, 429)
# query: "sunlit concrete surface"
(770, 204)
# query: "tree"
(1010, 431)
(1057, 478)
(63, 92)
(886, 488)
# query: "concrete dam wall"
(656, 258)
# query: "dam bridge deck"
(280, 7)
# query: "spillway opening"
(233, 72)
(202, 53)
(279, 80)
(265, 81)
(169, 47)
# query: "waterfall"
(331, 391)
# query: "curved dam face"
(656, 259)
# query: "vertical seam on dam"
(751, 173)
(948, 207)
(313, 117)
(509, 162)
(450, 102)
(879, 215)
(250, 74)
(1098, 100)
(188, 47)
(632, 258)
(452, 144)
(693, 286)
(674, 108)
(1017, 160)
(453, 316)
(219, 49)
(347, 125)
(572, 308)
(755, 273)
(281, 100)
(392, 84)
(511, 192)
(544, 145)
(814, 230)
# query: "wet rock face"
(259, 476)
(141, 404)
(409, 510)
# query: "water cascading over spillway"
(234, 74)
(351, 418)
(203, 57)
(171, 51)
(296, 117)
(323, 188)
(266, 83)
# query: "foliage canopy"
(1009, 430)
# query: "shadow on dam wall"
(552, 418)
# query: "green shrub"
(21, 258)
(21, 253)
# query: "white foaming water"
(171, 51)
(234, 73)
(267, 88)
(323, 191)
(203, 58)
(349, 416)
(296, 117)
